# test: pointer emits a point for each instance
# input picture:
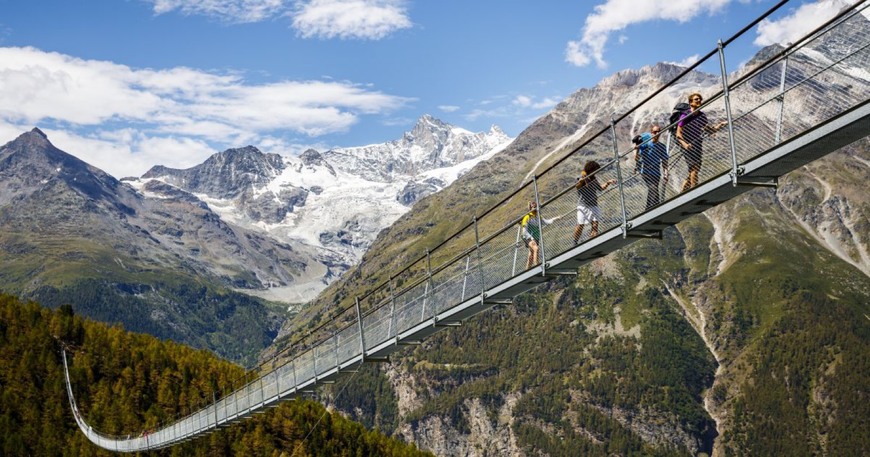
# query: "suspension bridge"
(805, 101)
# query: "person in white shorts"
(588, 211)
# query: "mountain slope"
(731, 336)
(73, 234)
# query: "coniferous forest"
(127, 383)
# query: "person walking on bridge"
(690, 134)
(652, 156)
(532, 234)
(588, 211)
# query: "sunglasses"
(696, 99)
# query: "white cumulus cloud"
(95, 100)
(615, 15)
(797, 24)
(349, 19)
(37, 85)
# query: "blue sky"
(128, 84)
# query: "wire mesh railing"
(769, 102)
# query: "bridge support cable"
(479, 260)
(542, 257)
(619, 181)
(782, 114)
(781, 100)
(730, 122)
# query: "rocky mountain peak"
(428, 133)
(311, 157)
(226, 174)
(430, 144)
(38, 132)
(428, 124)
(246, 159)
(622, 78)
(33, 139)
(657, 74)
(31, 165)
(33, 154)
(496, 130)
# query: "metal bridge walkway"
(806, 101)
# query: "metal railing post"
(337, 362)
(214, 401)
(479, 258)
(362, 341)
(236, 402)
(295, 381)
(392, 308)
(540, 227)
(313, 350)
(734, 170)
(664, 193)
(516, 251)
(465, 278)
(224, 401)
(625, 225)
(425, 296)
(781, 99)
(262, 394)
(427, 288)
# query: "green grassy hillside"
(104, 285)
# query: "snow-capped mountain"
(336, 201)
(430, 145)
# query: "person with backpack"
(690, 134)
(532, 234)
(652, 156)
(588, 211)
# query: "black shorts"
(693, 155)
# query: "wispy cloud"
(448, 108)
(794, 26)
(349, 19)
(234, 11)
(688, 61)
(5, 31)
(180, 105)
(526, 101)
(518, 107)
(615, 15)
(325, 19)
